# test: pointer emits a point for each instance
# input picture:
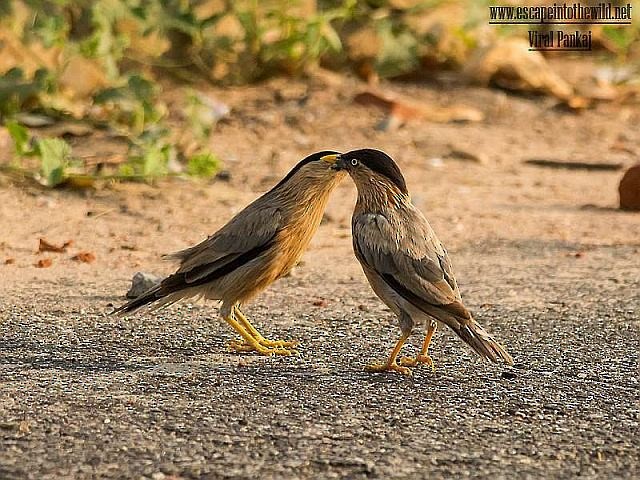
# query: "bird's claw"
(412, 362)
(389, 367)
(279, 343)
(243, 347)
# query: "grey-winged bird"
(255, 248)
(405, 263)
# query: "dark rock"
(630, 189)
(142, 282)
(224, 176)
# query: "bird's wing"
(410, 258)
(244, 238)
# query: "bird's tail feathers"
(146, 298)
(481, 341)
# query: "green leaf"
(20, 137)
(127, 170)
(54, 156)
(203, 165)
(152, 162)
(141, 88)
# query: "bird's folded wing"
(411, 261)
(245, 237)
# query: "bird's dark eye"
(354, 161)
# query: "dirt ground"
(543, 257)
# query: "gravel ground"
(544, 260)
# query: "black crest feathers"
(381, 163)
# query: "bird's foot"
(278, 343)
(388, 367)
(414, 361)
(243, 347)
(265, 342)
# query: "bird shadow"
(81, 365)
(83, 358)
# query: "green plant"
(53, 155)
(203, 165)
(55, 159)
(20, 137)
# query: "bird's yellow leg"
(256, 334)
(391, 364)
(250, 343)
(423, 356)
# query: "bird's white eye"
(354, 161)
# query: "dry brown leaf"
(82, 77)
(509, 64)
(46, 246)
(43, 263)
(142, 44)
(28, 56)
(84, 257)
(363, 44)
(404, 110)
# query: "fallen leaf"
(363, 44)
(43, 263)
(402, 110)
(14, 52)
(508, 64)
(46, 246)
(81, 77)
(84, 257)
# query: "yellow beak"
(330, 159)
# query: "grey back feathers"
(381, 163)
